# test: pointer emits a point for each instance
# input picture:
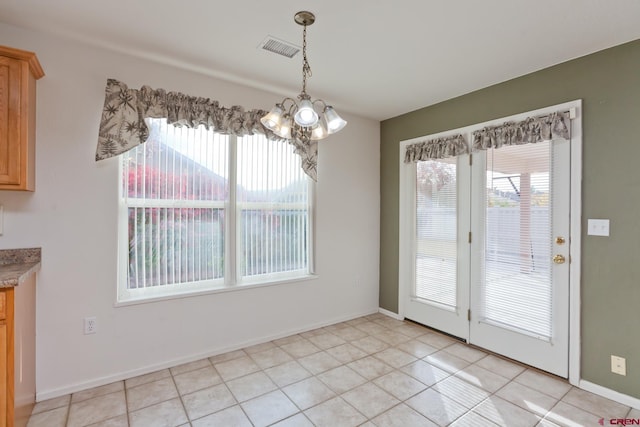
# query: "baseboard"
(85, 385)
(390, 314)
(625, 399)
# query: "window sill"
(222, 289)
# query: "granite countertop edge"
(17, 264)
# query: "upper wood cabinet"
(19, 71)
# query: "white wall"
(72, 216)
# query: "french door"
(519, 304)
(441, 217)
(490, 256)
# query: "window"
(202, 211)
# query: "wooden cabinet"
(19, 71)
(17, 353)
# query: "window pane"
(175, 188)
(168, 246)
(273, 241)
(178, 163)
(436, 228)
(517, 285)
(272, 202)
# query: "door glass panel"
(516, 290)
(436, 222)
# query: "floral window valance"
(530, 130)
(438, 148)
(123, 125)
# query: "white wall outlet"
(90, 325)
(598, 227)
(618, 365)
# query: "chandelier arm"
(284, 102)
(292, 107)
(320, 101)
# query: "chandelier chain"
(306, 68)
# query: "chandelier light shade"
(306, 116)
(335, 123)
(273, 119)
(284, 128)
(305, 119)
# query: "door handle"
(559, 259)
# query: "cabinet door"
(3, 373)
(11, 120)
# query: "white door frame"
(407, 226)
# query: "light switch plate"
(598, 227)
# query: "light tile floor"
(370, 371)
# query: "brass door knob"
(559, 259)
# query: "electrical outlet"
(90, 325)
(618, 365)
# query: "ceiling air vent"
(280, 47)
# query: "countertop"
(17, 264)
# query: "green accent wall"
(608, 82)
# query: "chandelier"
(304, 119)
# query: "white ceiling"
(377, 59)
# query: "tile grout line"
(66, 420)
(557, 402)
(126, 402)
(184, 407)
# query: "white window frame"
(232, 280)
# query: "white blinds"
(436, 232)
(175, 189)
(516, 285)
(180, 190)
(272, 209)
